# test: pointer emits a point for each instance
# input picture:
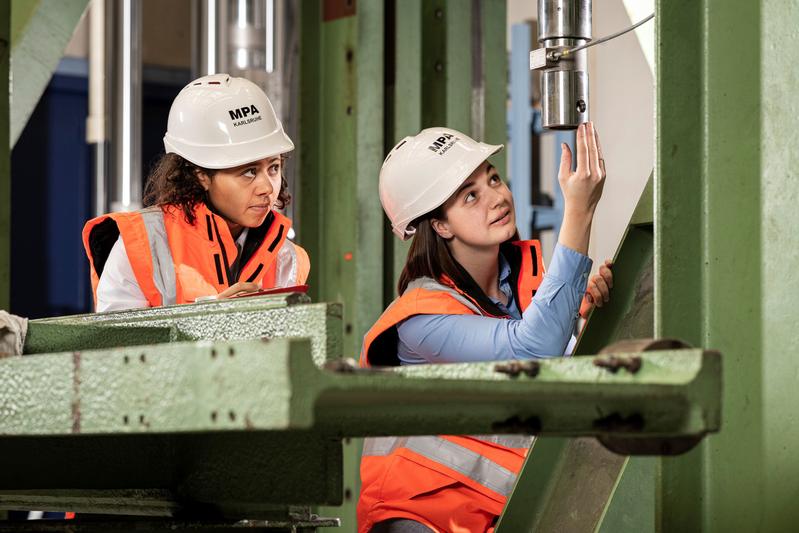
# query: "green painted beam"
(726, 251)
(341, 150)
(628, 315)
(42, 30)
(494, 80)
(404, 97)
(777, 258)
(447, 64)
(241, 318)
(716, 242)
(176, 387)
(5, 157)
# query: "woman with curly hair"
(211, 230)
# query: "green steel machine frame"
(237, 414)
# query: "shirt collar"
(504, 270)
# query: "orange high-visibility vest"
(176, 262)
(448, 483)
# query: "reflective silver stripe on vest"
(429, 284)
(509, 441)
(163, 266)
(471, 464)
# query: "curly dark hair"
(173, 181)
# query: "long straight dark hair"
(429, 256)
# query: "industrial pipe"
(127, 141)
(96, 135)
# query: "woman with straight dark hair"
(469, 291)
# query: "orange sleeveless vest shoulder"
(176, 262)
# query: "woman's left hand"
(598, 291)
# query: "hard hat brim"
(230, 155)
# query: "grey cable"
(558, 55)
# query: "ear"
(442, 228)
(204, 180)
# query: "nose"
(495, 198)
(263, 185)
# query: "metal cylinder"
(564, 19)
(124, 19)
(562, 25)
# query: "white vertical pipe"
(127, 101)
(96, 121)
(127, 194)
(270, 36)
(211, 37)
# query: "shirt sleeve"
(544, 330)
(118, 288)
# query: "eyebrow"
(270, 161)
(468, 183)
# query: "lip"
(502, 220)
(262, 207)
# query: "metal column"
(725, 250)
(5, 157)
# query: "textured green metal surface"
(447, 64)
(726, 251)
(404, 97)
(633, 505)
(41, 34)
(779, 189)
(494, 66)
(583, 482)
(275, 386)
(224, 425)
(241, 318)
(628, 315)
(5, 158)
(44, 337)
(341, 152)
(342, 148)
(645, 210)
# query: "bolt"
(581, 106)
(439, 13)
(439, 66)
(514, 368)
(612, 363)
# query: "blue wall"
(52, 191)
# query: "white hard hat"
(219, 121)
(422, 172)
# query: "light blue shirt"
(544, 330)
